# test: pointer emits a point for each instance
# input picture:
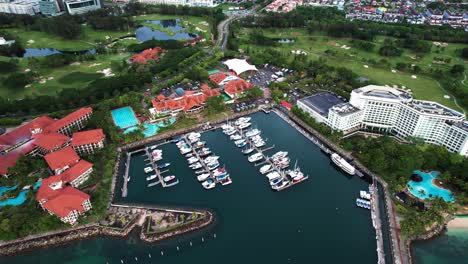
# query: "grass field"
(368, 63)
(56, 79)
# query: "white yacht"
(235, 137)
(244, 125)
(203, 177)
(148, 169)
(279, 154)
(242, 120)
(211, 159)
(152, 177)
(209, 184)
(255, 157)
(343, 164)
(252, 133)
(265, 168)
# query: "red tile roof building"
(78, 173)
(148, 54)
(236, 87)
(86, 142)
(61, 160)
(63, 201)
(190, 102)
(40, 136)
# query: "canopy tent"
(239, 66)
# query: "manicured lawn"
(77, 75)
(341, 53)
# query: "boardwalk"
(375, 214)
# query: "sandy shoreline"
(459, 222)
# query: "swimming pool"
(124, 117)
(21, 198)
(150, 129)
(426, 189)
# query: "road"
(223, 27)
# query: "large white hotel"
(393, 111)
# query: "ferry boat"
(169, 178)
(164, 165)
(209, 184)
(235, 137)
(148, 169)
(153, 184)
(252, 133)
(242, 120)
(280, 154)
(247, 151)
(203, 177)
(343, 164)
(365, 195)
(266, 168)
(244, 125)
(213, 165)
(255, 157)
(363, 203)
(196, 166)
(152, 177)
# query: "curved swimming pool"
(425, 189)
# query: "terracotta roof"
(236, 86)
(45, 191)
(61, 158)
(218, 77)
(51, 141)
(87, 137)
(68, 119)
(148, 54)
(186, 102)
(76, 171)
(68, 200)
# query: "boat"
(153, 184)
(275, 181)
(266, 168)
(280, 154)
(230, 131)
(164, 165)
(256, 138)
(157, 158)
(227, 181)
(222, 177)
(169, 178)
(237, 142)
(203, 177)
(219, 171)
(204, 152)
(128, 179)
(363, 203)
(211, 159)
(152, 177)
(180, 144)
(200, 171)
(193, 137)
(259, 144)
(213, 165)
(280, 185)
(192, 160)
(252, 133)
(157, 152)
(186, 150)
(273, 175)
(235, 137)
(241, 145)
(226, 126)
(199, 144)
(148, 169)
(242, 120)
(196, 166)
(244, 125)
(189, 155)
(153, 147)
(343, 164)
(209, 184)
(255, 157)
(365, 195)
(247, 151)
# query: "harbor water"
(315, 221)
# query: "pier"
(376, 222)
(155, 168)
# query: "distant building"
(203, 3)
(49, 7)
(74, 7)
(23, 7)
(388, 110)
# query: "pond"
(42, 52)
(426, 189)
(170, 29)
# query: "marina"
(314, 217)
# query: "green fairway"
(76, 77)
(339, 52)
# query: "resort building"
(74, 7)
(78, 173)
(86, 142)
(148, 54)
(236, 87)
(392, 111)
(72, 122)
(189, 102)
(49, 143)
(222, 78)
(50, 7)
(21, 7)
(63, 201)
(61, 160)
(204, 3)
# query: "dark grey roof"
(322, 102)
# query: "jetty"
(376, 222)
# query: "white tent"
(239, 66)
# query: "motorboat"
(259, 144)
(213, 165)
(255, 157)
(209, 184)
(226, 126)
(279, 154)
(204, 152)
(164, 165)
(266, 168)
(199, 144)
(273, 175)
(153, 147)
(237, 142)
(196, 166)
(186, 150)
(156, 152)
(256, 138)
(203, 177)
(230, 132)
(148, 169)
(200, 171)
(180, 144)
(169, 178)
(152, 177)
(235, 137)
(219, 171)
(247, 151)
(226, 181)
(189, 155)
(280, 185)
(222, 177)
(157, 158)
(193, 137)
(211, 159)
(244, 125)
(153, 183)
(275, 181)
(252, 133)
(242, 120)
(242, 144)
(192, 160)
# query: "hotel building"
(86, 142)
(388, 110)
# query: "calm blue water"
(145, 33)
(150, 129)
(124, 117)
(316, 221)
(21, 198)
(426, 189)
(41, 52)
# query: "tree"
(214, 104)
(457, 69)
(464, 53)
(255, 92)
